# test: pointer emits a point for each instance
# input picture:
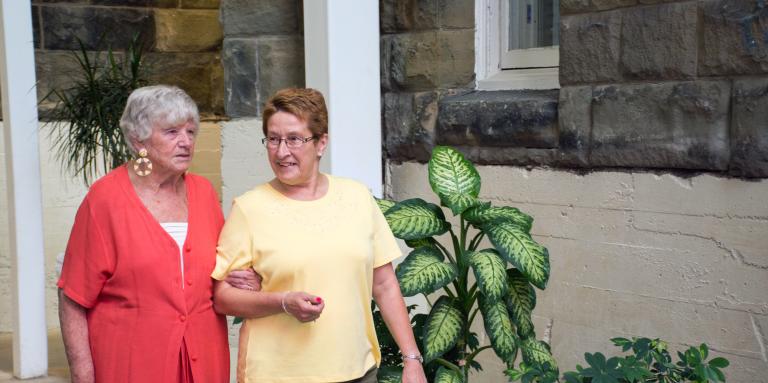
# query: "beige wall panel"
(638, 254)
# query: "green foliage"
(650, 361)
(502, 291)
(90, 140)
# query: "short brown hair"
(305, 103)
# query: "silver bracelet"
(414, 357)
(282, 303)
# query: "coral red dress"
(145, 323)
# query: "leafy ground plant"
(505, 274)
(90, 138)
(649, 361)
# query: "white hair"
(152, 105)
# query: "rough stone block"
(59, 70)
(734, 38)
(659, 42)
(241, 80)
(138, 3)
(749, 128)
(259, 17)
(590, 47)
(574, 6)
(256, 68)
(510, 119)
(36, 26)
(429, 60)
(188, 71)
(407, 15)
(173, 27)
(580, 6)
(669, 125)
(281, 64)
(64, 25)
(217, 87)
(201, 4)
(602, 5)
(575, 123)
(409, 125)
(456, 13)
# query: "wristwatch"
(414, 357)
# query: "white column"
(341, 49)
(17, 75)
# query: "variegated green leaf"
(490, 273)
(499, 328)
(384, 204)
(446, 375)
(517, 247)
(389, 374)
(423, 271)
(442, 330)
(416, 219)
(421, 242)
(451, 175)
(521, 301)
(537, 353)
(458, 203)
(483, 214)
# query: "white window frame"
(489, 56)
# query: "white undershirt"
(178, 231)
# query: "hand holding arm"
(244, 279)
(386, 292)
(74, 331)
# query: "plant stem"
(448, 365)
(448, 291)
(472, 356)
(475, 242)
(426, 298)
(472, 316)
(445, 251)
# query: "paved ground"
(57, 361)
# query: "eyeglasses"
(292, 142)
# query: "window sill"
(537, 78)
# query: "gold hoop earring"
(142, 165)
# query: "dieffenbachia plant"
(505, 275)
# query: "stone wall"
(427, 54)
(678, 85)
(673, 85)
(183, 40)
(263, 52)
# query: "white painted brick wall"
(638, 254)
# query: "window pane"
(533, 23)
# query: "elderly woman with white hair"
(136, 293)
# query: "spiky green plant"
(504, 275)
(89, 139)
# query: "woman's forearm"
(386, 293)
(74, 331)
(229, 300)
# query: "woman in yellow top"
(323, 249)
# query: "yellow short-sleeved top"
(327, 247)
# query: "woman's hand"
(413, 372)
(302, 306)
(245, 279)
